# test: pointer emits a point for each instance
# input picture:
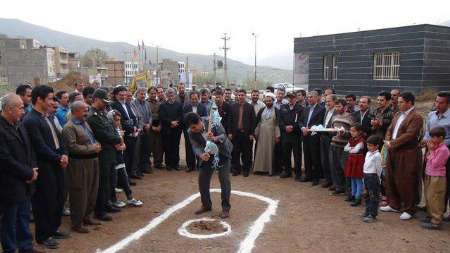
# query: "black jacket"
(366, 126)
(248, 119)
(41, 138)
(227, 117)
(128, 121)
(17, 161)
(316, 116)
(290, 117)
(201, 111)
(171, 112)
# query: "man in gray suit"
(198, 137)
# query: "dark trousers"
(156, 148)
(372, 182)
(130, 155)
(15, 231)
(337, 167)
(171, 145)
(242, 149)
(204, 182)
(278, 157)
(48, 201)
(191, 160)
(292, 144)
(312, 157)
(144, 153)
(325, 142)
(119, 179)
(107, 159)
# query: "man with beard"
(156, 148)
(267, 133)
(256, 103)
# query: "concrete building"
(115, 72)
(412, 58)
(172, 72)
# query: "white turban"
(270, 94)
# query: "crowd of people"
(75, 152)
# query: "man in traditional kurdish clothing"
(404, 159)
(267, 133)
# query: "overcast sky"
(195, 26)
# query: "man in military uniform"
(110, 140)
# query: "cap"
(100, 93)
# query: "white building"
(131, 69)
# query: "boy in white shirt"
(372, 172)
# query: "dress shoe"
(135, 177)
(202, 210)
(326, 184)
(305, 179)
(104, 217)
(33, 250)
(431, 226)
(225, 214)
(338, 192)
(349, 198)
(285, 175)
(147, 171)
(168, 168)
(60, 235)
(177, 168)
(80, 229)
(332, 188)
(91, 222)
(315, 182)
(112, 209)
(50, 243)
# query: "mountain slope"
(238, 71)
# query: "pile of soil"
(206, 227)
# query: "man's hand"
(230, 136)
(289, 129)
(305, 131)
(388, 144)
(97, 147)
(174, 124)
(205, 156)
(277, 139)
(146, 127)
(431, 145)
(34, 177)
(64, 161)
(120, 146)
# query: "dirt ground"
(308, 219)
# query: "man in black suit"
(18, 171)
(242, 134)
(364, 116)
(171, 117)
(224, 110)
(325, 139)
(196, 107)
(313, 115)
(48, 200)
(129, 125)
(289, 116)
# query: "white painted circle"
(184, 232)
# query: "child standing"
(435, 178)
(354, 164)
(372, 173)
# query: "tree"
(94, 58)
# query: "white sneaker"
(388, 209)
(119, 204)
(134, 202)
(405, 216)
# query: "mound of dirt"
(206, 227)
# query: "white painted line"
(184, 232)
(246, 245)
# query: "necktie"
(52, 129)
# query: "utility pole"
(215, 67)
(254, 35)
(158, 80)
(225, 49)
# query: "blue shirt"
(434, 120)
(61, 114)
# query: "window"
(330, 67)
(386, 66)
